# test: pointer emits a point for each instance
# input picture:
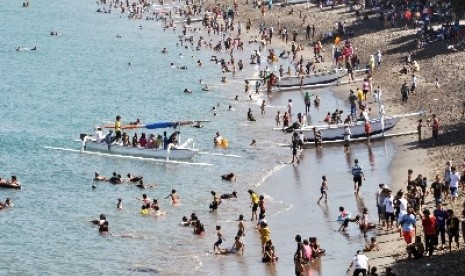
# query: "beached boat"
(185, 150)
(357, 129)
(322, 78)
(10, 186)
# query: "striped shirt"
(357, 170)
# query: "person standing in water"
(253, 204)
(118, 128)
(357, 173)
(323, 189)
(174, 197)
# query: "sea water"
(105, 65)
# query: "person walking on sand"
(323, 189)
(357, 173)
(429, 228)
(453, 228)
(435, 127)
(441, 217)
(262, 107)
(407, 223)
(454, 184)
(295, 145)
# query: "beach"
(117, 68)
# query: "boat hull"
(174, 153)
(310, 80)
(335, 132)
(10, 186)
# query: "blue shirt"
(407, 221)
(441, 216)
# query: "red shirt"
(429, 225)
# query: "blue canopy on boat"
(162, 124)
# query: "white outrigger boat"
(357, 129)
(185, 150)
(334, 132)
(323, 78)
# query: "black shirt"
(437, 189)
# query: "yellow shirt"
(254, 197)
(117, 125)
(360, 95)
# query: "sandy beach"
(442, 97)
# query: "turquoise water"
(81, 79)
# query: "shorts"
(381, 210)
(357, 271)
(454, 192)
(454, 236)
(408, 236)
(389, 216)
(118, 134)
(358, 180)
(254, 207)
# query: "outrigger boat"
(185, 150)
(334, 132)
(357, 129)
(322, 78)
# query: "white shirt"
(98, 136)
(454, 179)
(361, 261)
(403, 205)
(389, 203)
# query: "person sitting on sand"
(416, 249)
(230, 177)
(372, 246)
(229, 196)
(344, 218)
(132, 178)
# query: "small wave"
(269, 173)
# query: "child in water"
(323, 189)
(216, 246)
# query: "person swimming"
(134, 178)
(187, 90)
(119, 205)
(141, 185)
(164, 51)
(229, 196)
(205, 88)
(98, 177)
(99, 221)
(103, 229)
(174, 197)
(230, 176)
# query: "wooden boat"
(322, 78)
(10, 186)
(357, 129)
(185, 150)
